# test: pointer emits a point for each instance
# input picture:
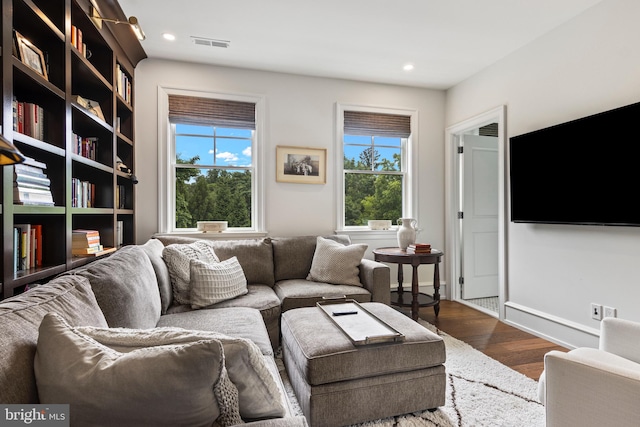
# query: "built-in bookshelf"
(68, 106)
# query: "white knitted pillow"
(213, 283)
(336, 263)
(177, 256)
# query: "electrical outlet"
(596, 311)
(610, 312)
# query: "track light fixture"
(132, 21)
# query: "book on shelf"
(27, 239)
(26, 186)
(83, 194)
(30, 161)
(79, 244)
(31, 178)
(119, 233)
(87, 251)
(121, 196)
(419, 248)
(32, 196)
(86, 147)
(104, 251)
(84, 235)
(28, 119)
(31, 186)
(123, 85)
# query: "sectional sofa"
(118, 325)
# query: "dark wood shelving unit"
(114, 52)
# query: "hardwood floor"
(517, 349)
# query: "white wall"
(300, 111)
(586, 66)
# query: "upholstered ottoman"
(338, 383)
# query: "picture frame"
(31, 56)
(301, 165)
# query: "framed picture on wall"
(31, 56)
(301, 165)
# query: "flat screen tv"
(586, 171)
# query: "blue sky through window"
(385, 146)
(231, 147)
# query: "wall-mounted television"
(586, 171)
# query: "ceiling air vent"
(202, 41)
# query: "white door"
(480, 217)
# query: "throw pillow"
(163, 385)
(258, 393)
(178, 257)
(336, 263)
(213, 283)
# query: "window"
(213, 175)
(375, 165)
(212, 162)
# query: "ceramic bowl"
(212, 226)
(379, 224)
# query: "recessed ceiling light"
(408, 67)
(168, 36)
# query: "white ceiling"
(446, 40)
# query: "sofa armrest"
(299, 421)
(589, 387)
(376, 278)
(621, 337)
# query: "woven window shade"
(376, 124)
(213, 112)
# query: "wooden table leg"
(415, 291)
(436, 288)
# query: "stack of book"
(31, 186)
(87, 243)
(419, 248)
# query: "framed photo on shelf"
(301, 165)
(31, 56)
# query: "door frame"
(453, 236)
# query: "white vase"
(406, 232)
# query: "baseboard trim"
(553, 328)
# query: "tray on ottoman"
(359, 324)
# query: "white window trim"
(410, 163)
(166, 152)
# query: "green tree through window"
(374, 182)
(213, 169)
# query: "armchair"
(595, 387)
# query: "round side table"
(416, 299)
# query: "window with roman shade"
(375, 166)
(214, 167)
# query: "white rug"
(480, 392)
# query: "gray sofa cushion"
(292, 256)
(178, 257)
(160, 384)
(336, 263)
(153, 248)
(20, 318)
(217, 282)
(126, 288)
(240, 322)
(298, 293)
(255, 257)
